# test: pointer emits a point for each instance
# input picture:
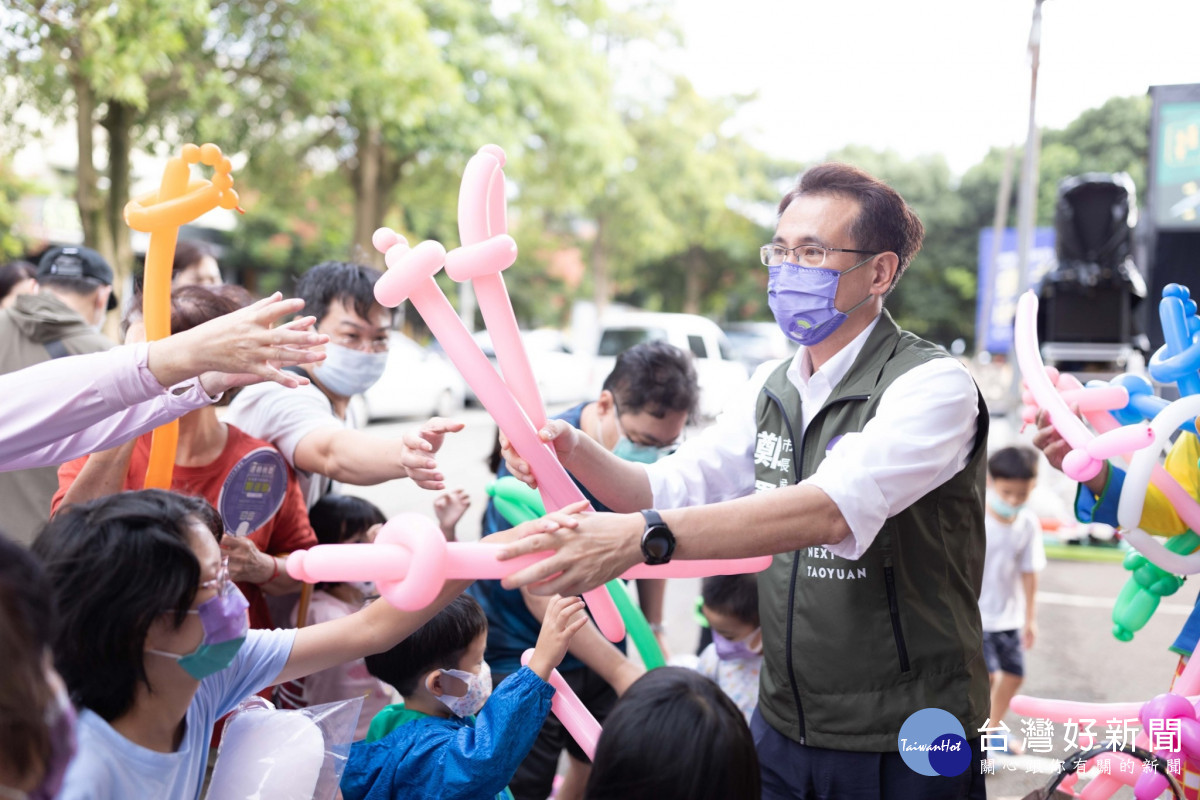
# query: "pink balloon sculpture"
(571, 712)
(1089, 451)
(487, 250)
(410, 560)
(1179, 703)
(410, 276)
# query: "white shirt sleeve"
(920, 436)
(282, 416)
(1033, 555)
(718, 464)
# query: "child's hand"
(449, 506)
(564, 617)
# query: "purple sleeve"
(69, 407)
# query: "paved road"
(1075, 658)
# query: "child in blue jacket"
(452, 737)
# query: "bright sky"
(927, 76)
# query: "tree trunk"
(367, 216)
(87, 195)
(118, 121)
(693, 273)
(598, 261)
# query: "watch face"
(658, 544)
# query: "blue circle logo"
(933, 742)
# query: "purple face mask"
(735, 650)
(801, 298)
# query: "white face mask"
(347, 372)
(479, 689)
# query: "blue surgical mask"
(801, 298)
(1002, 509)
(347, 372)
(628, 450)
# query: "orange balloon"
(179, 200)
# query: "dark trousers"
(792, 771)
(535, 777)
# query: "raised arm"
(360, 459)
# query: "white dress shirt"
(921, 435)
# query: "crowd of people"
(136, 618)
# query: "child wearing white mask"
(452, 737)
(1014, 557)
(734, 659)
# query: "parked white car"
(717, 368)
(418, 382)
(756, 342)
(562, 376)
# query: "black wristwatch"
(658, 543)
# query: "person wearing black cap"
(74, 293)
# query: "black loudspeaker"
(1090, 295)
(1176, 259)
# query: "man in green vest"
(859, 465)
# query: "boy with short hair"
(433, 745)
(734, 659)
(1014, 557)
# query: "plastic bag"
(271, 754)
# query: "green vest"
(858, 646)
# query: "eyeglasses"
(663, 450)
(807, 255)
(221, 582)
(352, 341)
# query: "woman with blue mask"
(153, 644)
(640, 416)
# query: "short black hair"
(438, 644)
(116, 564)
(674, 735)
(337, 517)
(26, 625)
(884, 223)
(352, 284)
(1017, 463)
(735, 595)
(654, 377)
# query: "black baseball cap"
(76, 261)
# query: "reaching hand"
(598, 549)
(562, 435)
(564, 617)
(421, 445)
(239, 348)
(449, 506)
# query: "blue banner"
(996, 303)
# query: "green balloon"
(636, 626)
(1148, 583)
(515, 500)
(518, 503)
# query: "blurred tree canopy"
(344, 115)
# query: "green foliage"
(349, 114)
(12, 189)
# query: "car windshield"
(615, 341)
